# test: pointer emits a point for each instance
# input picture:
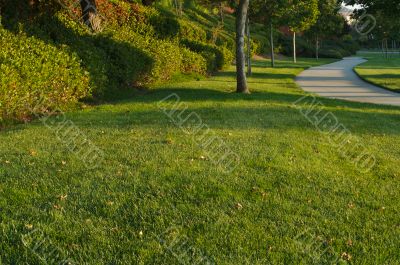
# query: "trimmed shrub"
(33, 72)
(217, 57)
(330, 53)
(193, 62)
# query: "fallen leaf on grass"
(167, 141)
(63, 197)
(57, 207)
(238, 206)
(346, 256)
(29, 226)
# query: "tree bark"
(387, 49)
(221, 12)
(317, 48)
(248, 46)
(89, 14)
(294, 48)
(147, 2)
(176, 7)
(240, 54)
(272, 46)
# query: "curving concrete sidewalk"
(338, 80)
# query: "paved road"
(338, 80)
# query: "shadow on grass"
(257, 75)
(383, 76)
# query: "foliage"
(217, 57)
(33, 73)
(131, 51)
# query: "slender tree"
(241, 16)
(302, 15)
(329, 23)
(271, 13)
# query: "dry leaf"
(63, 197)
(238, 206)
(346, 256)
(29, 226)
(57, 207)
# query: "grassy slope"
(290, 180)
(381, 71)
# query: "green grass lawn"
(157, 197)
(381, 71)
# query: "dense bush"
(330, 53)
(33, 72)
(217, 57)
(193, 62)
(111, 64)
(137, 46)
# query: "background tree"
(301, 14)
(385, 13)
(329, 22)
(269, 13)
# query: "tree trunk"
(176, 6)
(89, 14)
(386, 49)
(272, 46)
(248, 46)
(221, 12)
(147, 2)
(240, 54)
(317, 48)
(294, 48)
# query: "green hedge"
(217, 57)
(31, 70)
(330, 53)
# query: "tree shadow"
(383, 76)
(257, 75)
(220, 110)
